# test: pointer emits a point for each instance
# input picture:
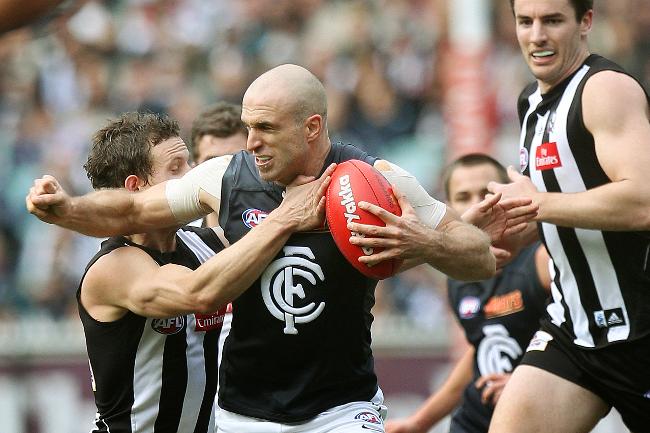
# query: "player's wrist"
(69, 209)
(282, 221)
(541, 199)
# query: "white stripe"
(99, 418)
(567, 280)
(147, 379)
(195, 377)
(591, 241)
(533, 101)
(225, 330)
(202, 251)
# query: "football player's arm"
(150, 290)
(427, 232)
(615, 111)
(116, 211)
(441, 403)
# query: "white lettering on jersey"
(278, 288)
(497, 351)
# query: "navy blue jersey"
(499, 316)
(300, 337)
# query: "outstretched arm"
(440, 403)
(117, 211)
(622, 144)
(145, 288)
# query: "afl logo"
(169, 326)
(469, 306)
(253, 217)
(523, 159)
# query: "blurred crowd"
(380, 60)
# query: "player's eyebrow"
(557, 15)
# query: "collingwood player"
(298, 357)
(584, 153)
(151, 314)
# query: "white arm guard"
(429, 210)
(183, 194)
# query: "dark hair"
(222, 120)
(472, 160)
(579, 6)
(123, 147)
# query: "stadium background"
(404, 80)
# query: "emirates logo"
(547, 156)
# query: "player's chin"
(267, 174)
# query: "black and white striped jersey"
(601, 280)
(156, 375)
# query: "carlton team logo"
(282, 287)
(253, 217)
(547, 156)
(497, 351)
(168, 326)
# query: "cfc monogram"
(279, 290)
(497, 350)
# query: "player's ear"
(132, 183)
(585, 22)
(314, 126)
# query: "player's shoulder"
(608, 92)
(613, 83)
(111, 270)
(341, 152)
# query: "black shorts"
(619, 374)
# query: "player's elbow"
(207, 303)
(642, 220)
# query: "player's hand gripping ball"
(354, 181)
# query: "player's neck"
(160, 240)
(578, 61)
(320, 156)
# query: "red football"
(354, 181)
